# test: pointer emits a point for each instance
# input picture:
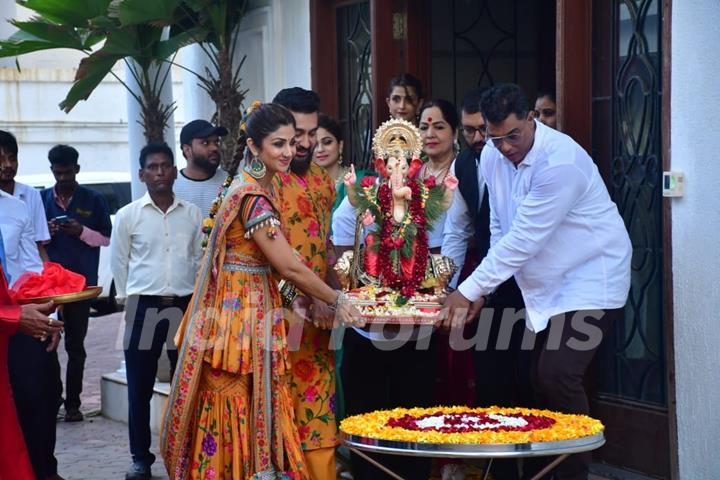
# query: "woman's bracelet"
(339, 300)
(288, 292)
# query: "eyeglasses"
(513, 139)
(471, 131)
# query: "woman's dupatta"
(180, 412)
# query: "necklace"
(439, 174)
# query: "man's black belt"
(164, 300)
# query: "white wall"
(97, 127)
(276, 39)
(29, 98)
(292, 53)
(275, 35)
(695, 143)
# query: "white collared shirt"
(31, 197)
(344, 222)
(154, 252)
(459, 227)
(553, 226)
(21, 251)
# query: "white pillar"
(136, 137)
(695, 227)
(197, 103)
(291, 45)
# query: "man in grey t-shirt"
(200, 181)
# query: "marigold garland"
(548, 426)
(209, 221)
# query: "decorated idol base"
(380, 305)
(472, 432)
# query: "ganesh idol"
(396, 210)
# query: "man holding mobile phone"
(79, 226)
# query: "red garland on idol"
(393, 240)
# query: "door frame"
(574, 102)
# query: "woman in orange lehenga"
(230, 414)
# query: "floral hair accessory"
(248, 111)
(253, 106)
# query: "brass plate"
(87, 294)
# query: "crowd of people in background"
(245, 404)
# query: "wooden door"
(356, 48)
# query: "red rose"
(368, 181)
(430, 182)
(304, 370)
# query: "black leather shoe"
(138, 471)
(74, 416)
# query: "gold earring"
(256, 168)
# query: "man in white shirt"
(155, 252)
(554, 227)
(200, 181)
(26, 193)
(17, 229)
(466, 240)
(32, 362)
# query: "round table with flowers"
(471, 433)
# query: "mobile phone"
(62, 219)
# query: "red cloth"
(54, 280)
(14, 460)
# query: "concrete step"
(114, 400)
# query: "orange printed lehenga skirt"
(230, 414)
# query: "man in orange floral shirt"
(306, 195)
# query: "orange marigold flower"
(375, 425)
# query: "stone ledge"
(114, 402)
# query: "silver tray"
(481, 450)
